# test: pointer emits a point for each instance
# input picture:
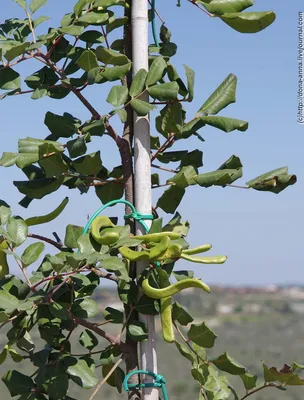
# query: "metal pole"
(142, 173)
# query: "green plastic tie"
(159, 382)
(135, 215)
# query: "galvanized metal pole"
(142, 172)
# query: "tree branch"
(100, 332)
(31, 25)
(103, 381)
(45, 239)
(105, 275)
(164, 169)
(267, 384)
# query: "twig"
(105, 36)
(67, 58)
(100, 332)
(22, 269)
(45, 59)
(164, 169)
(188, 344)
(266, 385)
(238, 187)
(45, 239)
(91, 353)
(160, 18)
(162, 185)
(105, 275)
(50, 278)
(103, 381)
(31, 26)
(162, 148)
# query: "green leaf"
(43, 219)
(184, 351)
(117, 23)
(216, 386)
(226, 363)
(286, 376)
(85, 308)
(138, 83)
(9, 79)
(249, 381)
(22, 3)
(31, 150)
(94, 18)
(37, 22)
(108, 56)
(89, 165)
(221, 97)
(92, 36)
(5, 212)
(170, 199)
(115, 73)
(32, 253)
(184, 177)
(118, 95)
(73, 30)
(225, 124)
(62, 126)
(87, 60)
(274, 181)
(190, 74)
(220, 7)
(116, 265)
(137, 331)
(110, 191)
(249, 22)
(16, 51)
(8, 159)
(202, 335)
(72, 234)
(113, 315)
(8, 301)
(122, 114)
(142, 108)
(164, 91)
(226, 174)
(82, 374)
(77, 147)
(53, 166)
(147, 306)
(156, 71)
(17, 383)
(79, 6)
(36, 4)
(171, 119)
(180, 314)
(194, 158)
(58, 311)
(88, 340)
(18, 230)
(173, 76)
(94, 128)
(38, 188)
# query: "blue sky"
(261, 233)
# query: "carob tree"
(57, 298)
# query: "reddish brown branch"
(45, 239)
